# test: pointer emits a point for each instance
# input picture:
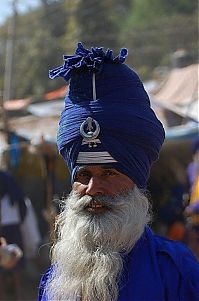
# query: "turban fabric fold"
(129, 129)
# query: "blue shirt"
(157, 269)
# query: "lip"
(96, 207)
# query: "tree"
(38, 48)
(147, 11)
(155, 29)
(98, 21)
(40, 54)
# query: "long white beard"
(87, 255)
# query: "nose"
(95, 187)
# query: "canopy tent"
(179, 92)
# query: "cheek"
(129, 184)
(119, 186)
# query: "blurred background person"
(9, 254)
(192, 209)
(12, 214)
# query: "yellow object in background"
(194, 198)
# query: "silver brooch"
(90, 130)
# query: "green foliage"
(99, 21)
(55, 17)
(150, 29)
(37, 49)
(145, 12)
(95, 23)
(40, 54)
(157, 28)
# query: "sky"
(22, 6)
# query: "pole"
(8, 76)
(7, 93)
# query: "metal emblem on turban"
(90, 130)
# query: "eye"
(110, 172)
(83, 176)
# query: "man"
(109, 136)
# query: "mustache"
(81, 202)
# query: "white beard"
(87, 255)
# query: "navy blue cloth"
(157, 269)
(8, 185)
(129, 128)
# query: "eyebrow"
(82, 168)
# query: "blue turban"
(107, 117)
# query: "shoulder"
(42, 285)
(175, 258)
(178, 268)
(176, 250)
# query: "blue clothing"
(157, 269)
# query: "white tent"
(179, 92)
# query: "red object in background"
(176, 231)
(59, 93)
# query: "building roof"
(58, 93)
(16, 104)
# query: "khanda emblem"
(90, 130)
